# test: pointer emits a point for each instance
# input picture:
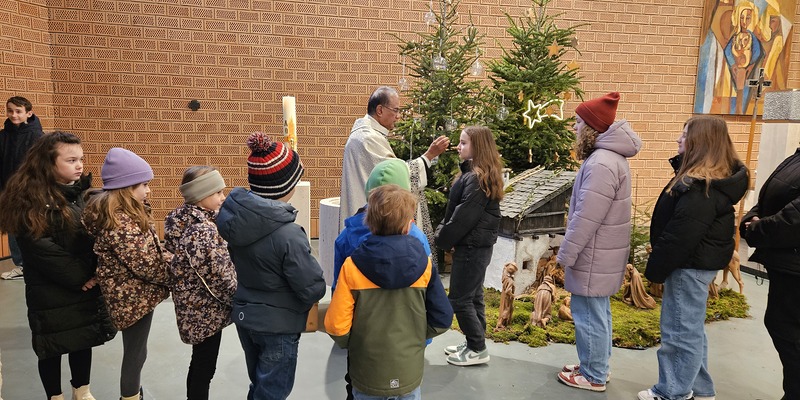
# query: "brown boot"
(59, 397)
(82, 393)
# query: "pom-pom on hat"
(123, 168)
(273, 169)
(599, 113)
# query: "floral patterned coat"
(131, 270)
(190, 233)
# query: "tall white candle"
(290, 120)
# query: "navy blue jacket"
(278, 278)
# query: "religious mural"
(739, 37)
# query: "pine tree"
(534, 69)
(442, 99)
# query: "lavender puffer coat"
(190, 233)
(596, 245)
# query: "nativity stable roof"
(533, 189)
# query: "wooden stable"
(537, 203)
(533, 221)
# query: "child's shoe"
(576, 380)
(455, 348)
(469, 357)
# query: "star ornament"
(553, 49)
(543, 111)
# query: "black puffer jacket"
(776, 233)
(690, 229)
(63, 318)
(15, 141)
(471, 218)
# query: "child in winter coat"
(388, 301)
(597, 241)
(132, 266)
(470, 228)
(42, 205)
(203, 276)
(356, 231)
(692, 233)
(278, 278)
(20, 131)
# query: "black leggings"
(202, 367)
(80, 365)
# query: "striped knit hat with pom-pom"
(273, 169)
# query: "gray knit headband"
(201, 187)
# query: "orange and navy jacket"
(388, 301)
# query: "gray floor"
(741, 359)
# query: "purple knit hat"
(123, 168)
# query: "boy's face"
(17, 114)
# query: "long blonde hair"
(102, 209)
(486, 161)
(709, 153)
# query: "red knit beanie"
(599, 113)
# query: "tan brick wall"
(122, 72)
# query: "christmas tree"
(531, 82)
(442, 98)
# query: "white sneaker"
(469, 357)
(649, 395)
(455, 348)
(703, 398)
(15, 273)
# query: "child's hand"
(89, 284)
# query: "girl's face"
(464, 147)
(213, 202)
(68, 166)
(682, 141)
(140, 191)
(579, 124)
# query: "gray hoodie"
(596, 245)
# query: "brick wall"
(122, 73)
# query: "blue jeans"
(271, 363)
(414, 395)
(13, 248)
(592, 317)
(683, 356)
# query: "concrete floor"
(741, 359)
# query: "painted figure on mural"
(740, 37)
(743, 54)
